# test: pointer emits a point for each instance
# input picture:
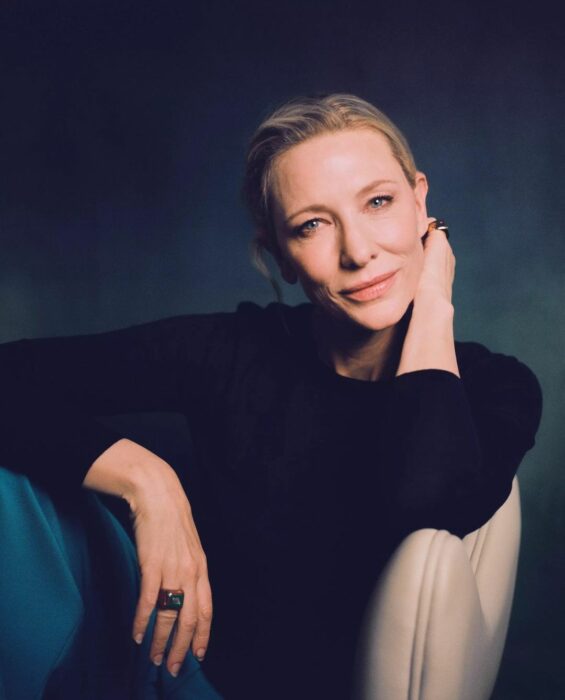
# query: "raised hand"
(429, 342)
(438, 272)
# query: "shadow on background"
(124, 126)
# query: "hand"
(429, 341)
(171, 556)
(169, 550)
(438, 271)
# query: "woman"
(314, 426)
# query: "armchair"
(436, 624)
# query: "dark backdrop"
(123, 129)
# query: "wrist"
(429, 342)
(127, 470)
(433, 306)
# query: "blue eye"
(382, 199)
(306, 227)
(313, 224)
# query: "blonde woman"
(316, 428)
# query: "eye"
(380, 200)
(306, 228)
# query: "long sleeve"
(53, 389)
(453, 445)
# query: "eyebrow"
(365, 190)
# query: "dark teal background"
(123, 131)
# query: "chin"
(378, 316)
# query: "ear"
(420, 194)
(285, 268)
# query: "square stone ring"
(170, 599)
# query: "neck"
(357, 352)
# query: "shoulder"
(275, 312)
(500, 383)
(248, 326)
(248, 320)
(276, 322)
(478, 364)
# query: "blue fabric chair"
(68, 588)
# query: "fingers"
(439, 228)
(205, 614)
(430, 221)
(166, 620)
(163, 627)
(438, 271)
(170, 560)
(150, 584)
(193, 625)
(437, 246)
(184, 632)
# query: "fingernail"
(200, 654)
(158, 660)
(175, 670)
(138, 638)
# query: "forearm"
(450, 470)
(431, 437)
(452, 446)
(429, 341)
(429, 444)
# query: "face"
(345, 214)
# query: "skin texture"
(354, 238)
(349, 232)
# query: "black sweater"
(303, 481)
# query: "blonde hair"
(293, 123)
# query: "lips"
(368, 283)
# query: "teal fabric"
(68, 589)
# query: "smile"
(371, 291)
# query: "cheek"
(313, 263)
(407, 248)
(415, 263)
(398, 235)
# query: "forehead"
(331, 161)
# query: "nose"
(357, 246)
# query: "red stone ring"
(170, 599)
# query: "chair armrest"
(435, 626)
